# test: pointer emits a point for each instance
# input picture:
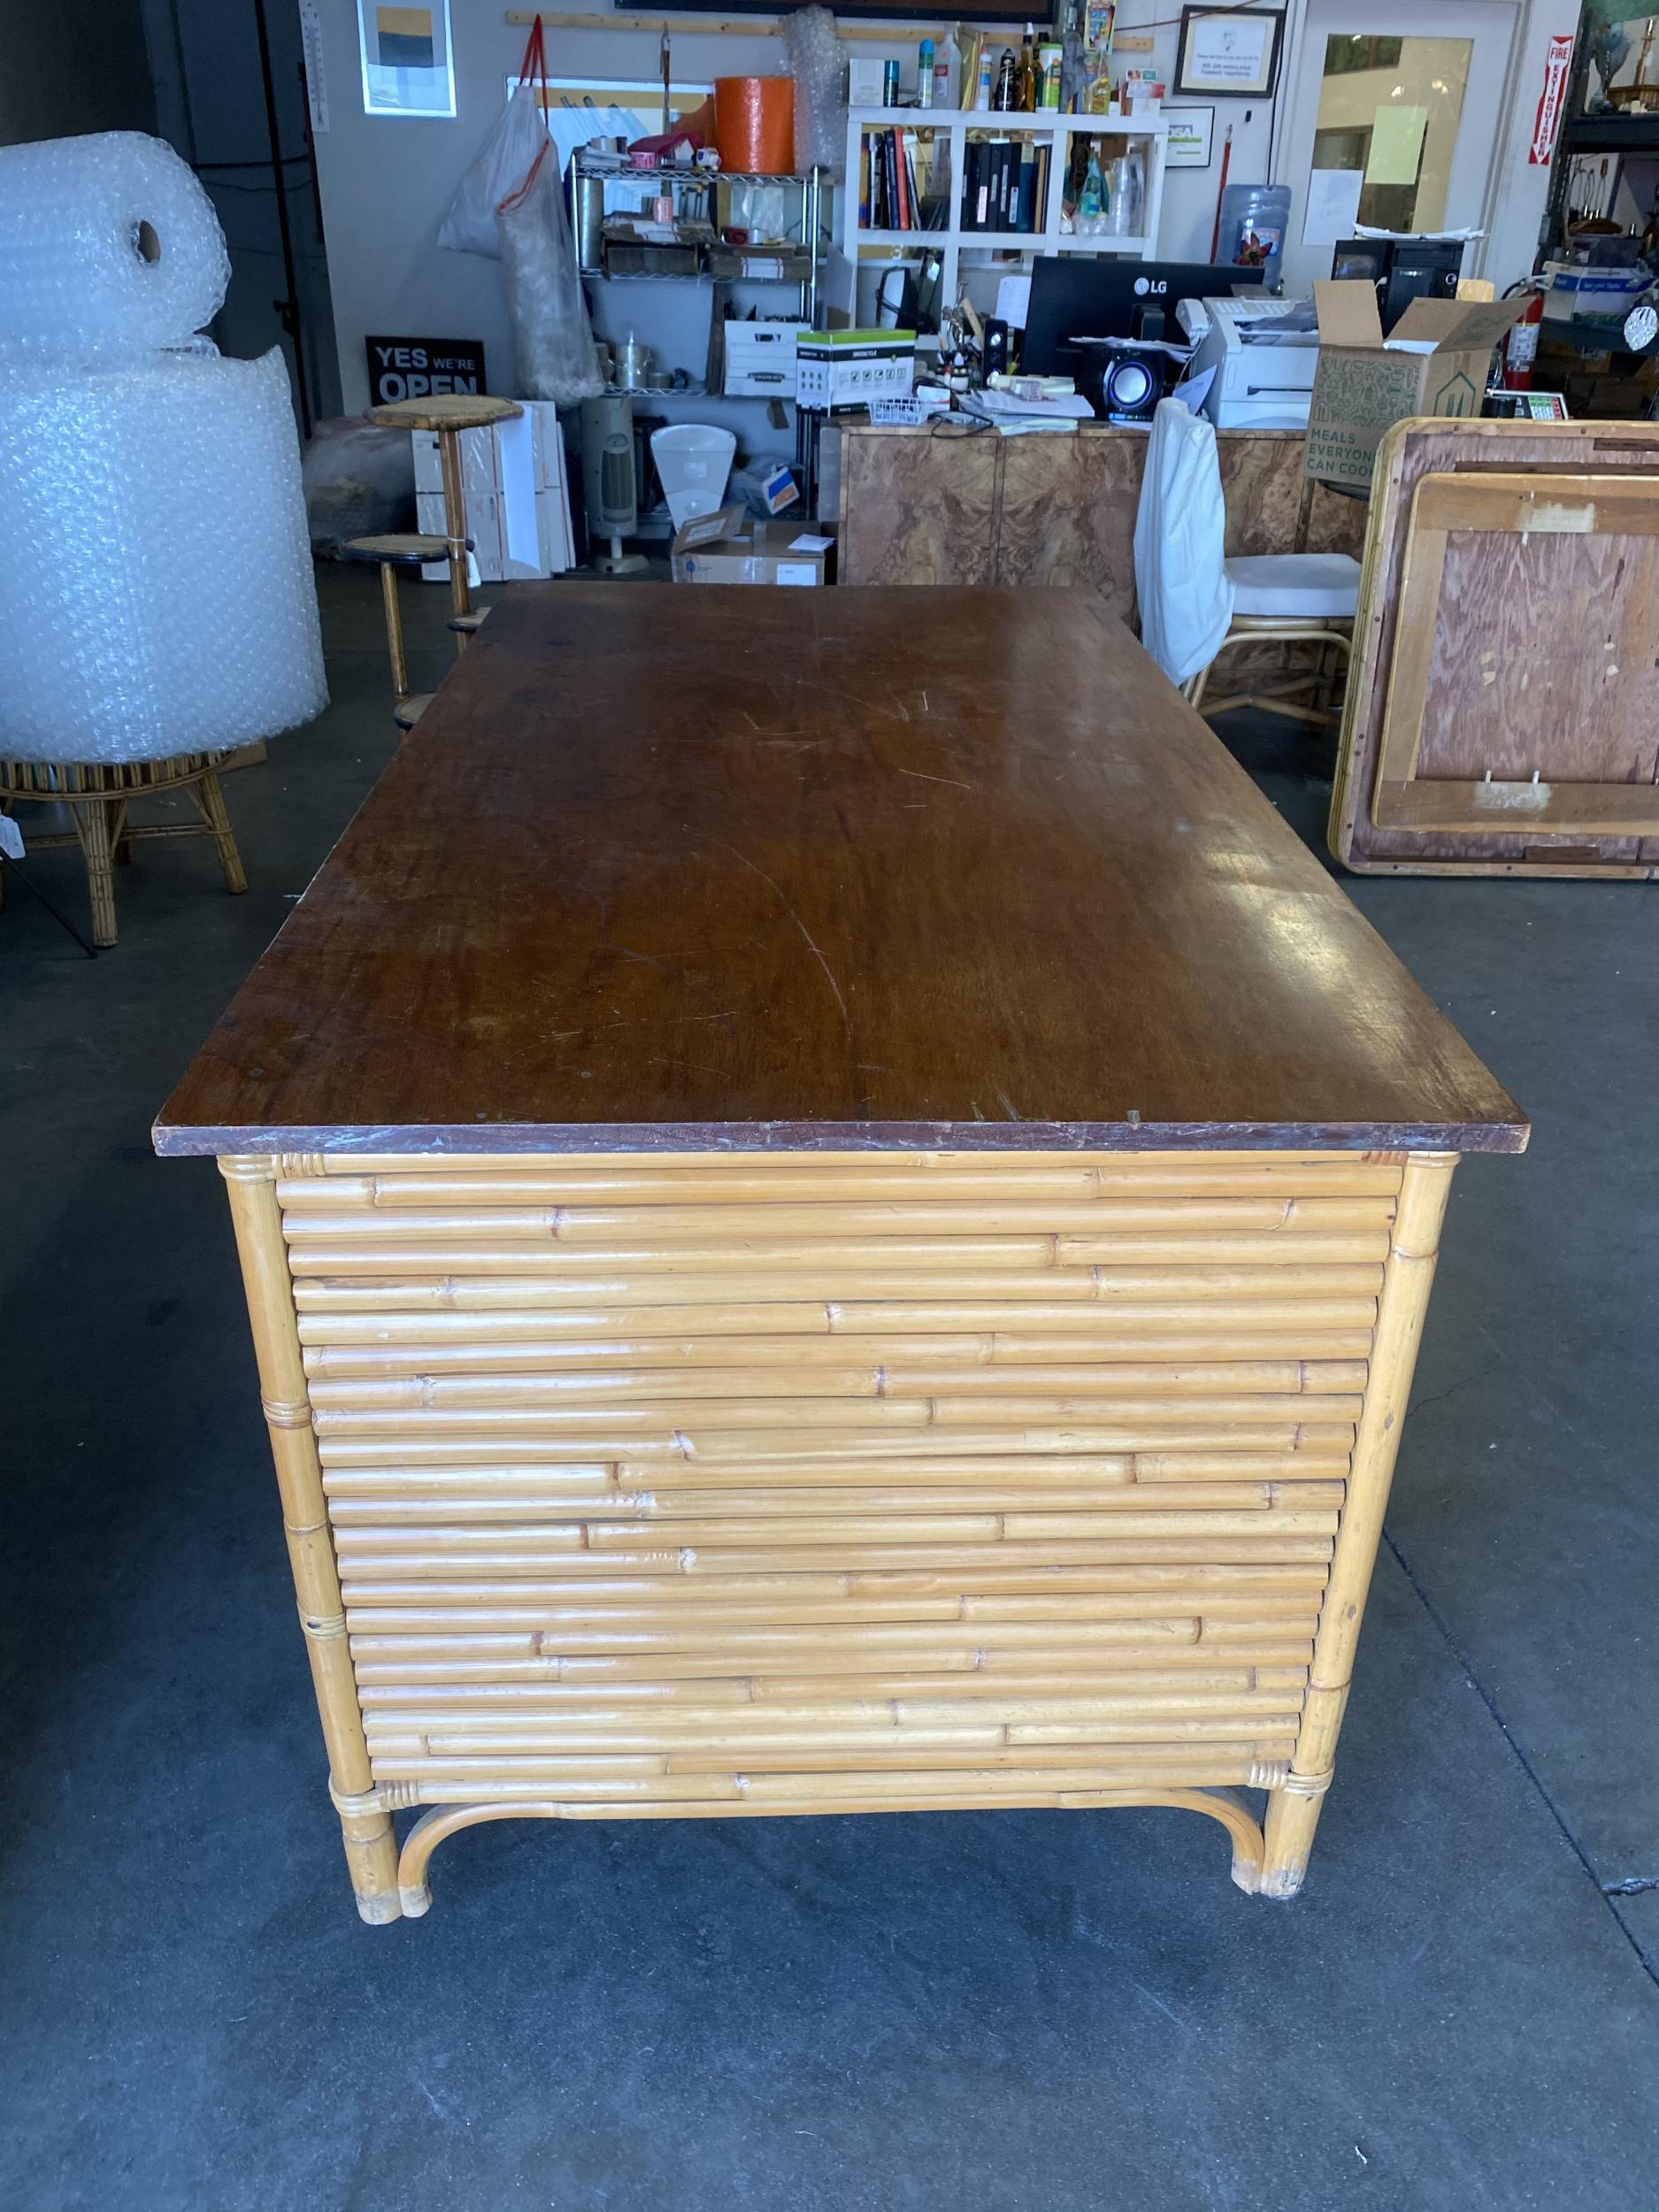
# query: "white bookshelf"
(957, 245)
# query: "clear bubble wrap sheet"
(813, 50)
(154, 565)
(108, 249)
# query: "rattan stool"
(98, 796)
(390, 552)
(449, 414)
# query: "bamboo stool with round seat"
(390, 551)
(449, 414)
(98, 796)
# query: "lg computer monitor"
(1078, 295)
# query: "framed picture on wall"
(1191, 136)
(407, 66)
(1233, 51)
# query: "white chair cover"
(1181, 579)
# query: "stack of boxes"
(517, 503)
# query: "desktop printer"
(1264, 353)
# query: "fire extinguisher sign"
(1551, 101)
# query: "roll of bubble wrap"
(109, 249)
(154, 565)
(813, 50)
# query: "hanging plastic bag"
(511, 151)
(551, 335)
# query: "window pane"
(1390, 107)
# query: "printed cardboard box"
(733, 547)
(1435, 361)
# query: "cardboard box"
(760, 359)
(838, 370)
(1593, 296)
(732, 548)
(1435, 361)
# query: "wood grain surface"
(951, 870)
(936, 506)
(1540, 660)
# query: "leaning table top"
(676, 869)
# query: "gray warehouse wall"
(76, 66)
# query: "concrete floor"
(979, 2012)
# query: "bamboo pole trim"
(370, 1848)
(1305, 1785)
(433, 1827)
(293, 1413)
(322, 1628)
(503, 1356)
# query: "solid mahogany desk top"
(673, 867)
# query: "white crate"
(760, 359)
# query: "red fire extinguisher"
(1520, 345)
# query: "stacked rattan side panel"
(741, 1484)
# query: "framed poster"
(1233, 51)
(1192, 132)
(408, 67)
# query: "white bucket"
(693, 462)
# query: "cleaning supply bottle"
(925, 75)
(1094, 198)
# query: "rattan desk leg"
(366, 1826)
(1292, 1809)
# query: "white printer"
(1264, 353)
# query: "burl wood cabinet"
(941, 504)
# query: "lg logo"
(1147, 287)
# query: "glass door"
(1393, 123)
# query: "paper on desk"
(1013, 301)
(11, 838)
(1002, 404)
(1333, 205)
(1370, 230)
(811, 545)
(1193, 390)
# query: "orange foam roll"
(753, 124)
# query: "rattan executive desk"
(836, 1217)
